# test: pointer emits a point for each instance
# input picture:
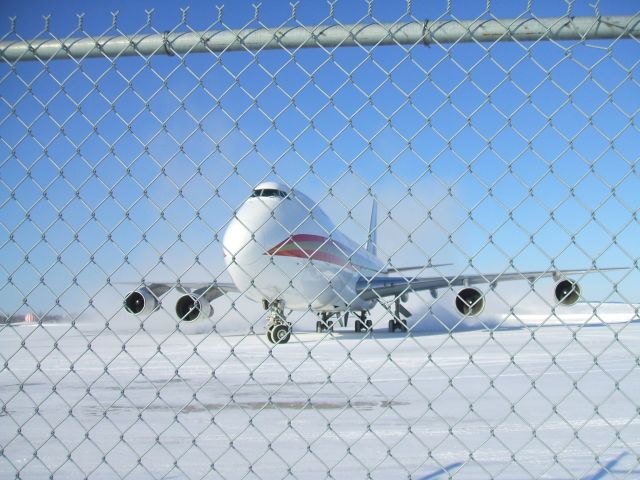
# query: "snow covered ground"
(532, 402)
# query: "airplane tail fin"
(372, 241)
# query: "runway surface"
(556, 402)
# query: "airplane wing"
(145, 297)
(395, 269)
(380, 286)
(211, 289)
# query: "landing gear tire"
(325, 323)
(279, 334)
(398, 325)
(365, 325)
(278, 329)
(398, 322)
(362, 323)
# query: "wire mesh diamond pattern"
(355, 239)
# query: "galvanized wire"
(496, 141)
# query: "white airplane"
(282, 250)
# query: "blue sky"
(124, 153)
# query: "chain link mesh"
(485, 158)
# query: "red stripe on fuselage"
(293, 247)
(322, 256)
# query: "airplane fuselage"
(284, 247)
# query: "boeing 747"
(283, 251)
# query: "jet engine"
(567, 292)
(469, 301)
(192, 308)
(141, 302)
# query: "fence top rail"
(427, 32)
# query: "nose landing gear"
(278, 329)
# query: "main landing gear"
(397, 323)
(326, 322)
(363, 323)
(278, 329)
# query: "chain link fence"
(344, 240)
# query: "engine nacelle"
(192, 308)
(470, 302)
(141, 302)
(567, 292)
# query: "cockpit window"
(268, 192)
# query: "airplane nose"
(256, 227)
(241, 242)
